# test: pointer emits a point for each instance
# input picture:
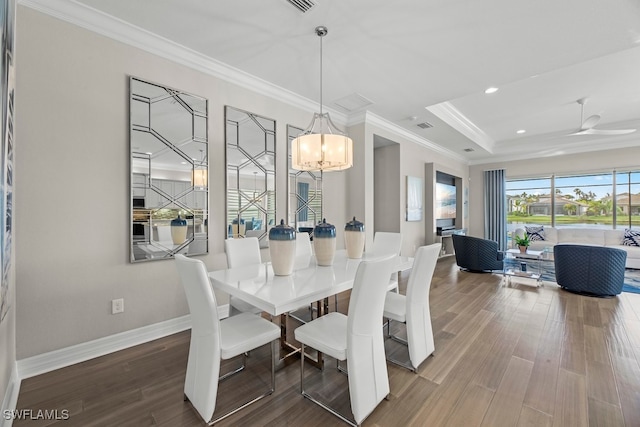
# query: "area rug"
(631, 276)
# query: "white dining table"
(278, 295)
(309, 282)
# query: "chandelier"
(322, 146)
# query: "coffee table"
(526, 259)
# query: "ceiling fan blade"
(592, 131)
(590, 122)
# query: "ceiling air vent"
(302, 5)
(353, 102)
(424, 125)
(468, 150)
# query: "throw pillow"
(535, 233)
(631, 237)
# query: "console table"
(446, 242)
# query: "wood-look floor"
(505, 356)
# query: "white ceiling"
(407, 55)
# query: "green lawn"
(572, 219)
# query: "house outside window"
(600, 200)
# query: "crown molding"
(367, 117)
(449, 114)
(116, 29)
(569, 149)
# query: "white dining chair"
(356, 338)
(385, 243)
(304, 248)
(164, 233)
(304, 252)
(413, 309)
(213, 340)
(240, 253)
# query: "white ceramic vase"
(324, 242)
(354, 238)
(178, 234)
(282, 248)
(178, 230)
(325, 250)
(283, 255)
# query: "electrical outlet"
(117, 306)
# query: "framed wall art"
(7, 36)
(414, 198)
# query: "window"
(590, 201)
(528, 202)
(585, 201)
(628, 199)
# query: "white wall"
(598, 161)
(72, 184)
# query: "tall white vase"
(324, 243)
(354, 238)
(282, 248)
(178, 230)
(325, 249)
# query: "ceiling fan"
(587, 127)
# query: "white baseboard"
(10, 397)
(68, 356)
(63, 357)
(47, 362)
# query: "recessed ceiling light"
(521, 131)
(491, 90)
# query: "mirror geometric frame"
(251, 171)
(305, 202)
(169, 171)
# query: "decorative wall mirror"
(305, 192)
(169, 172)
(251, 171)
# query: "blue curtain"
(495, 207)
(303, 201)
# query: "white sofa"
(585, 236)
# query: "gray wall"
(72, 184)
(8, 325)
(8, 342)
(412, 160)
(387, 188)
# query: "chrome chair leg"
(272, 388)
(235, 371)
(402, 341)
(317, 402)
(302, 370)
(340, 368)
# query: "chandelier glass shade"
(322, 146)
(199, 178)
